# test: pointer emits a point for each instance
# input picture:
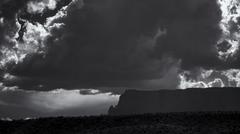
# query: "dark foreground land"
(167, 123)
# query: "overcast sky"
(110, 45)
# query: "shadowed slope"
(212, 99)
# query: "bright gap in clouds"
(58, 102)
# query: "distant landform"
(190, 100)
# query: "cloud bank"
(117, 43)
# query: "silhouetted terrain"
(164, 116)
(165, 123)
(193, 100)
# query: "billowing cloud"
(201, 78)
(119, 42)
(126, 40)
(24, 38)
(227, 50)
(40, 6)
(31, 42)
(228, 44)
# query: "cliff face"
(189, 100)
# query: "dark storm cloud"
(98, 45)
(9, 8)
(117, 40)
(193, 34)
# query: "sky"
(91, 50)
